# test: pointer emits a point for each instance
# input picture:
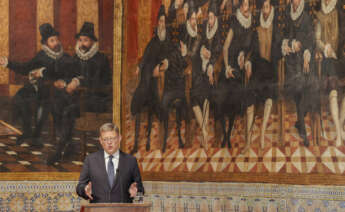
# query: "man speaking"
(109, 175)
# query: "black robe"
(146, 94)
(174, 86)
(201, 87)
(40, 92)
(54, 70)
(265, 72)
(96, 76)
(231, 94)
(304, 87)
(331, 66)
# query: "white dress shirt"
(115, 160)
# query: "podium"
(116, 207)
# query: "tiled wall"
(184, 196)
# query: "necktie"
(111, 174)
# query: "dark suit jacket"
(94, 170)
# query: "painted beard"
(56, 48)
(84, 49)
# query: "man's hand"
(331, 53)
(88, 191)
(241, 61)
(229, 72)
(133, 189)
(156, 71)
(3, 61)
(71, 87)
(60, 84)
(206, 53)
(306, 68)
(164, 65)
(137, 71)
(35, 74)
(248, 70)
(298, 46)
(210, 74)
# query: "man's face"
(85, 43)
(295, 4)
(327, 2)
(110, 141)
(185, 10)
(161, 23)
(211, 19)
(245, 8)
(192, 20)
(179, 3)
(266, 9)
(53, 43)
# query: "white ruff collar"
(329, 8)
(297, 14)
(267, 23)
(193, 33)
(245, 22)
(212, 32)
(51, 53)
(86, 55)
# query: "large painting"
(222, 90)
(56, 77)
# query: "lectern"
(116, 207)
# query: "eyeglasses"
(115, 138)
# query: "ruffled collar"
(267, 23)
(297, 14)
(328, 8)
(245, 22)
(193, 33)
(212, 32)
(86, 55)
(51, 53)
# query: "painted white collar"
(86, 55)
(51, 53)
(212, 32)
(245, 22)
(328, 8)
(267, 23)
(193, 33)
(297, 14)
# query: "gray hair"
(109, 127)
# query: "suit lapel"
(120, 168)
(101, 163)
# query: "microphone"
(120, 182)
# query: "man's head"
(191, 15)
(326, 2)
(85, 43)
(244, 8)
(50, 37)
(212, 14)
(211, 19)
(86, 37)
(266, 8)
(161, 18)
(110, 138)
(295, 4)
